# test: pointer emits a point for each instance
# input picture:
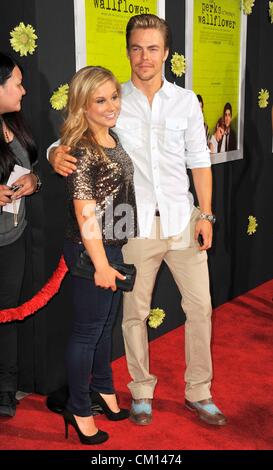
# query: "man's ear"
(166, 54)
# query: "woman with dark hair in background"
(16, 148)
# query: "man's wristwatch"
(210, 217)
(39, 183)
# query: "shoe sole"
(132, 419)
(204, 418)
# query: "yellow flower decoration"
(156, 317)
(252, 225)
(271, 11)
(247, 6)
(178, 64)
(59, 98)
(263, 97)
(23, 39)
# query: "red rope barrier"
(40, 299)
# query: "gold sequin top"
(109, 181)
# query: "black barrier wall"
(238, 262)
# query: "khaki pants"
(190, 272)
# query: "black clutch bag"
(85, 268)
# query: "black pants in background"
(12, 265)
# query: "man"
(229, 139)
(162, 128)
(217, 138)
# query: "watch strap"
(210, 217)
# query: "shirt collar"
(167, 89)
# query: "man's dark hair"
(200, 99)
(226, 107)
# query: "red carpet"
(243, 369)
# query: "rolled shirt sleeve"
(197, 154)
(55, 144)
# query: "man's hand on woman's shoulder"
(62, 162)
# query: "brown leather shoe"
(141, 411)
(207, 411)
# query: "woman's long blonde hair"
(82, 86)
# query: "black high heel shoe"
(97, 438)
(98, 400)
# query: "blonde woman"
(100, 192)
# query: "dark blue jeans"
(90, 346)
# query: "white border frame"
(234, 154)
(161, 8)
(80, 30)
(80, 33)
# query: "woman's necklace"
(5, 131)
(6, 136)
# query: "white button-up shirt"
(163, 139)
